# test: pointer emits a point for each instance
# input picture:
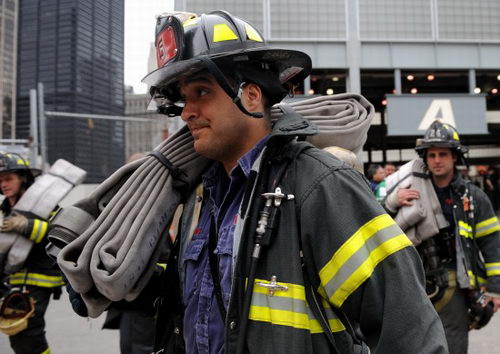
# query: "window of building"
(327, 82)
(250, 10)
(465, 19)
(488, 82)
(395, 19)
(429, 81)
(375, 84)
(308, 19)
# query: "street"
(68, 333)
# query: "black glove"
(77, 302)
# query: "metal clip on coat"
(268, 219)
(268, 216)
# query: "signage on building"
(412, 114)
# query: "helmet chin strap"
(221, 80)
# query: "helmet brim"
(34, 171)
(299, 62)
(427, 145)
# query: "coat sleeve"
(487, 234)
(367, 267)
(36, 230)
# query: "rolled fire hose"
(50, 188)
(109, 240)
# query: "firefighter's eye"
(203, 91)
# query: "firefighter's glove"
(16, 223)
(76, 301)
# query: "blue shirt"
(203, 325)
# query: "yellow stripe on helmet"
(222, 33)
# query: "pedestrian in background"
(376, 177)
(389, 169)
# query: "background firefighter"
(464, 255)
(40, 277)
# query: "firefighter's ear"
(252, 98)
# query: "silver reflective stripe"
(492, 269)
(485, 230)
(281, 303)
(361, 255)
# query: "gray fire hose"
(343, 120)
(109, 240)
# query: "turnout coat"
(478, 231)
(359, 261)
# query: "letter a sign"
(438, 109)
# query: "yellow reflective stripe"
(492, 268)
(193, 20)
(289, 308)
(252, 34)
(39, 230)
(42, 232)
(291, 319)
(487, 222)
(464, 229)
(36, 279)
(222, 33)
(472, 279)
(487, 227)
(34, 230)
(162, 265)
(356, 259)
(46, 351)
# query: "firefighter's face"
(220, 130)
(10, 184)
(441, 161)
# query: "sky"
(139, 34)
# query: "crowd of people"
(281, 246)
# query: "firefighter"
(464, 256)
(39, 278)
(283, 248)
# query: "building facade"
(76, 49)
(144, 136)
(381, 48)
(8, 57)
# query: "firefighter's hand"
(406, 195)
(76, 301)
(17, 223)
(494, 300)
